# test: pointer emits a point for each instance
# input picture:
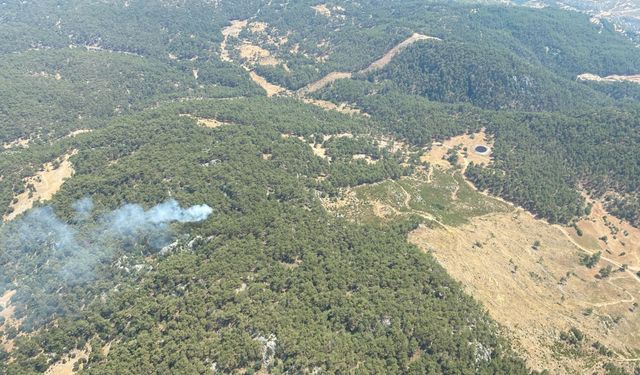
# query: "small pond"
(481, 149)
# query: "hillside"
(626, 14)
(399, 187)
(460, 72)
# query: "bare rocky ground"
(43, 185)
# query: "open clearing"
(9, 320)
(322, 9)
(445, 199)
(43, 185)
(22, 143)
(65, 365)
(534, 291)
(207, 122)
(253, 54)
(343, 107)
(232, 30)
(257, 55)
(269, 87)
(465, 145)
(536, 294)
(78, 132)
(323, 82)
(318, 148)
(609, 79)
(622, 243)
(335, 11)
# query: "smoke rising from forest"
(45, 247)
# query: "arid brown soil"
(257, 55)
(78, 132)
(323, 82)
(207, 122)
(537, 293)
(270, 88)
(65, 365)
(9, 320)
(22, 143)
(232, 30)
(617, 240)
(44, 184)
(322, 9)
(466, 154)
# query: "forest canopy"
(162, 105)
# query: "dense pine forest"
(154, 114)
(267, 264)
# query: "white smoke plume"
(83, 208)
(42, 257)
(41, 245)
(131, 217)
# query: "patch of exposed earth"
(232, 30)
(318, 148)
(536, 293)
(269, 87)
(43, 185)
(364, 157)
(253, 54)
(57, 76)
(616, 239)
(328, 11)
(386, 59)
(78, 132)
(464, 146)
(625, 14)
(7, 313)
(66, 365)
(609, 79)
(18, 143)
(526, 272)
(207, 122)
(323, 82)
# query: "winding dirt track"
(322, 82)
(630, 270)
(378, 64)
(386, 59)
